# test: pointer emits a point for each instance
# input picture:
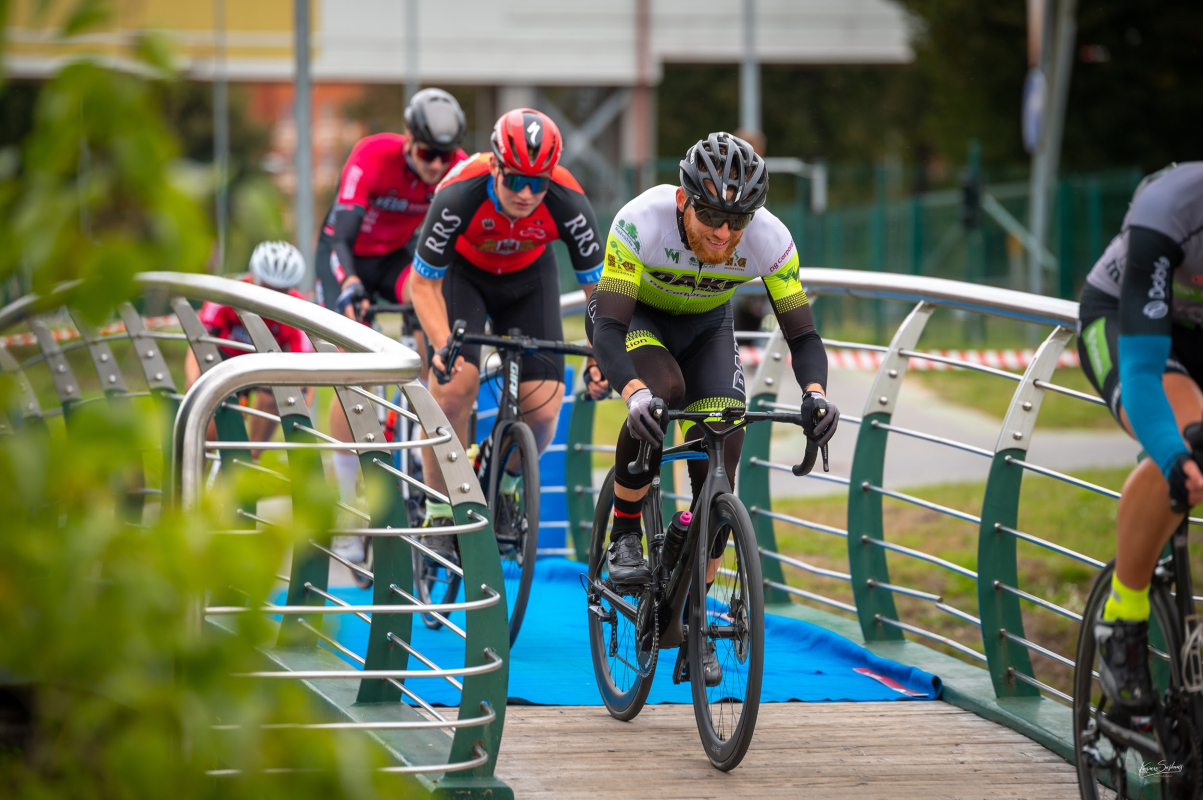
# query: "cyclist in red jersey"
(483, 251)
(365, 248)
(385, 190)
(279, 266)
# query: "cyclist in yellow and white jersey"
(661, 322)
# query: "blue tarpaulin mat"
(551, 663)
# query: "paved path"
(853, 751)
(912, 462)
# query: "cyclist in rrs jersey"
(1141, 344)
(366, 245)
(661, 319)
(484, 251)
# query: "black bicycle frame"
(671, 622)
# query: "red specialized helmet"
(527, 141)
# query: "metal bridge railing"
(444, 750)
(998, 640)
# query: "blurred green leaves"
(108, 686)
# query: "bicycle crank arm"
(1126, 737)
(621, 604)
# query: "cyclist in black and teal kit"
(1141, 345)
(661, 321)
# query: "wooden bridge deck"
(921, 750)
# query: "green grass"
(992, 395)
(1075, 518)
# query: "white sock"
(346, 470)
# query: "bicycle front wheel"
(726, 618)
(1097, 757)
(515, 512)
(622, 637)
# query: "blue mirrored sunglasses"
(516, 183)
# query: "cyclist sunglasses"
(516, 183)
(713, 218)
(429, 154)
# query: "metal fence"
(446, 751)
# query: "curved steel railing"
(468, 740)
(998, 641)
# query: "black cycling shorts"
(528, 299)
(382, 276)
(1098, 346)
(703, 371)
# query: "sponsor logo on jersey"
(1161, 272)
(784, 257)
(586, 240)
(505, 246)
(488, 223)
(399, 204)
(442, 231)
(738, 382)
(705, 284)
(672, 255)
(352, 182)
(630, 267)
(790, 274)
(1156, 309)
(611, 261)
(629, 233)
(735, 263)
(534, 233)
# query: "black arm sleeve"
(1146, 291)
(347, 220)
(809, 359)
(607, 321)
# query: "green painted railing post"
(867, 564)
(999, 608)
(487, 628)
(753, 478)
(392, 562)
(578, 474)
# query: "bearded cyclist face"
(710, 245)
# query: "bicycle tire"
(1090, 745)
(516, 521)
(434, 583)
(623, 690)
(736, 597)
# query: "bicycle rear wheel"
(624, 662)
(728, 616)
(516, 515)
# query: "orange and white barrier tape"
(868, 360)
(67, 334)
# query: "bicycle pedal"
(681, 668)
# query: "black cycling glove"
(819, 429)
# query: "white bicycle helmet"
(278, 265)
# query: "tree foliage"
(108, 689)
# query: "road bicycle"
(688, 604)
(510, 448)
(1167, 745)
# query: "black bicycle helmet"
(728, 163)
(435, 118)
